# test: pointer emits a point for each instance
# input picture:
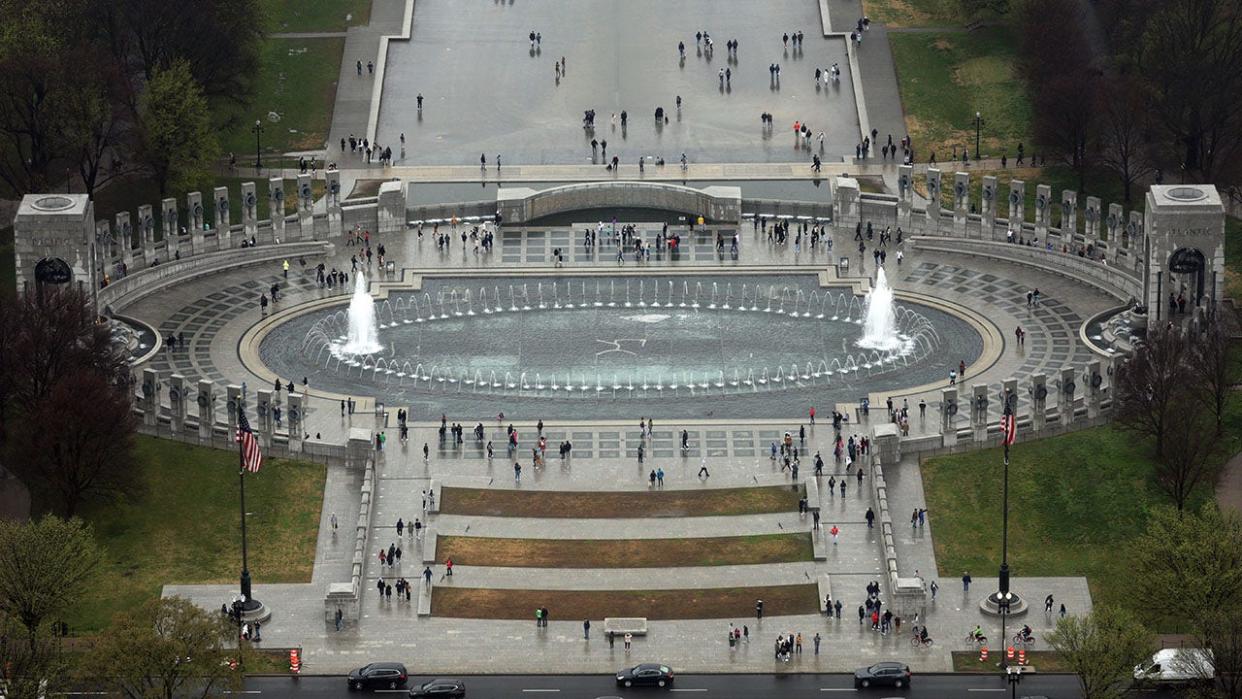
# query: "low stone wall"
(1096, 273)
(518, 205)
(137, 285)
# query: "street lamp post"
(978, 128)
(258, 129)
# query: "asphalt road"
(793, 686)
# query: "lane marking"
(541, 690)
(837, 689)
(687, 690)
(978, 689)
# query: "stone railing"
(1115, 281)
(520, 204)
(136, 285)
(347, 596)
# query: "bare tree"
(1192, 450)
(94, 459)
(1153, 384)
(44, 566)
(1125, 132)
(1102, 648)
(1213, 366)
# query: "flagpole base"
(990, 605)
(254, 610)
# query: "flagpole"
(241, 478)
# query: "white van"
(1176, 666)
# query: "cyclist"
(977, 634)
(923, 636)
(1026, 633)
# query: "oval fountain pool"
(577, 347)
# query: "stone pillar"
(194, 204)
(933, 201)
(105, 248)
(1017, 204)
(1065, 402)
(391, 207)
(1039, 401)
(146, 229)
(125, 236)
(979, 412)
(250, 208)
(961, 202)
(846, 211)
(235, 403)
(276, 207)
(1092, 217)
(1093, 380)
(887, 443)
(294, 417)
(150, 398)
(905, 196)
(1113, 365)
(1009, 392)
(171, 234)
(1134, 237)
(306, 203)
(948, 416)
(333, 200)
(224, 235)
(987, 201)
(263, 411)
(206, 410)
(178, 396)
(1043, 211)
(1114, 223)
(1069, 212)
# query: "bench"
(619, 626)
(812, 494)
(429, 545)
(424, 598)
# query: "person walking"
(586, 630)
(759, 608)
(965, 582)
(1048, 602)
(834, 532)
(817, 639)
(340, 615)
(837, 608)
(629, 639)
(870, 518)
(935, 587)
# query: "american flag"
(1009, 426)
(252, 456)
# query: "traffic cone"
(1022, 657)
(983, 654)
(1009, 653)
(295, 661)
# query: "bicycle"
(917, 642)
(979, 640)
(1023, 641)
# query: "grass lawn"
(915, 13)
(297, 81)
(946, 77)
(1098, 183)
(625, 553)
(183, 528)
(657, 503)
(315, 15)
(1044, 661)
(1233, 258)
(1076, 503)
(710, 603)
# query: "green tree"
(178, 142)
(167, 648)
(1189, 563)
(44, 566)
(1102, 648)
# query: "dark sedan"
(439, 688)
(378, 676)
(882, 675)
(646, 675)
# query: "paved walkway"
(354, 91)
